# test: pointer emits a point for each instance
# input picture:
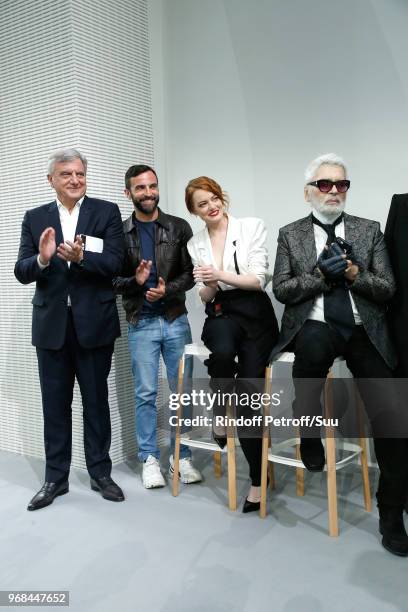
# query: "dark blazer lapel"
(305, 235)
(352, 234)
(84, 216)
(54, 221)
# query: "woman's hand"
(206, 274)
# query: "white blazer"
(246, 238)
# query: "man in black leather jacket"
(156, 274)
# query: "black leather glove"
(339, 248)
(331, 263)
(334, 250)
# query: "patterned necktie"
(338, 312)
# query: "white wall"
(74, 73)
(253, 91)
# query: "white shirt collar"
(78, 204)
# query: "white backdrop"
(249, 93)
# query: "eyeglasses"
(325, 185)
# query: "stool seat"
(289, 357)
(198, 350)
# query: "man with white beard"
(333, 274)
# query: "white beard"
(329, 211)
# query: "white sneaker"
(152, 477)
(187, 472)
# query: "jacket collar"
(307, 241)
(230, 241)
(305, 225)
(162, 220)
(83, 219)
(352, 234)
(233, 232)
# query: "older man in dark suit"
(72, 248)
(333, 274)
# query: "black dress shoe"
(394, 536)
(312, 454)
(250, 506)
(46, 495)
(109, 489)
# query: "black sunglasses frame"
(336, 183)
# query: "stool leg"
(331, 461)
(271, 474)
(265, 445)
(232, 481)
(363, 455)
(365, 476)
(300, 475)
(177, 432)
(300, 472)
(264, 478)
(217, 464)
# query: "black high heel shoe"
(252, 506)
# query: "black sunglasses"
(325, 185)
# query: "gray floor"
(158, 553)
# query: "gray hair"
(65, 155)
(329, 159)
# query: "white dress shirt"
(246, 238)
(69, 222)
(317, 312)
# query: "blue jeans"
(149, 338)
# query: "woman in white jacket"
(230, 269)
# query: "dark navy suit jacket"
(89, 286)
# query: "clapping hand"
(156, 293)
(207, 275)
(47, 245)
(332, 262)
(143, 271)
(71, 251)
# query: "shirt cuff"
(41, 265)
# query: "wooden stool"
(202, 352)
(354, 450)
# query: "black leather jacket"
(173, 265)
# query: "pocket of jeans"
(183, 328)
(141, 324)
(181, 322)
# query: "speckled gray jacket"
(297, 281)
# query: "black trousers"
(227, 339)
(57, 370)
(316, 347)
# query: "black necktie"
(329, 228)
(338, 312)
